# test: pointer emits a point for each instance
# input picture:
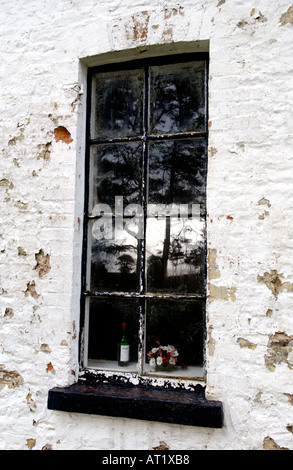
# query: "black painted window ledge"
(176, 406)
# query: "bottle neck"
(123, 336)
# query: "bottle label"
(124, 353)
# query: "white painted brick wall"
(45, 48)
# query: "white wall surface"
(45, 49)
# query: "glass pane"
(177, 172)
(113, 261)
(175, 233)
(179, 325)
(175, 248)
(115, 176)
(118, 104)
(177, 98)
(105, 331)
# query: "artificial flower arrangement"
(163, 357)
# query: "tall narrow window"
(145, 239)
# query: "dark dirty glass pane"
(177, 98)
(115, 176)
(118, 104)
(175, 230)
(175, 248)
(114, 260)
(179, 324)
(105, 328)
(177, 172)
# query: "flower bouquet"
(163, 358)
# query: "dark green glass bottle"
(123, 348)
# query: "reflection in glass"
(105, 321)
(177, 172)
(116, 172)
(176, 243)
(114, 262)
(177, 98)
(175, 254)
(118, 105)
(179, 324)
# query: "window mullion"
(141, 352)
(144, 180)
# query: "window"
(144, 261)
(145, 243)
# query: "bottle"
(123, 348)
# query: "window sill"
(174, 406)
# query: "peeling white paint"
(45, 49)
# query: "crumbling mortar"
(270, 444)
(280, 345)
(287, 17)
(274, 283)
(10, 378)
(43, 263)
(31, 290)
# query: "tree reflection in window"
(176, 242)
(118, 102)
(177, 98)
